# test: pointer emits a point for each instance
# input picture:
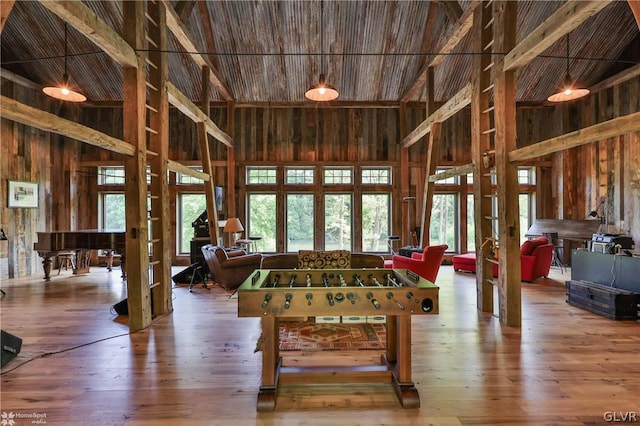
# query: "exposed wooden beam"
(451, 107)
(619, 78)
(21, 113)
(451, 39)
(635, 8)
(607, 129)
(183, 37)
(188, 108)
(452, 172)
(186, 170)
(6, 74)
(566, 18)
(5, 9)
(95, 29)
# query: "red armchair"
(426, 264)
(535, 260)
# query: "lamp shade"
(321, 91)
(233, 225)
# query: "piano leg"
(46, 263)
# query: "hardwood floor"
(80, 366)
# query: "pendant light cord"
(321, 36)
(567, 53)
(65, 47)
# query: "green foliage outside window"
(375, 222)
(300, 223)
(191, 206)
(262, 221)
(337, 221)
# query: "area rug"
(311, 336)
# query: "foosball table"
(397, 294)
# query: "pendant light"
(568, 93)
(321, 91)
(63, 92)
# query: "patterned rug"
(311, 336)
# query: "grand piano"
(49, 244)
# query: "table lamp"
(233, 226)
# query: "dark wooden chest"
(611, 302)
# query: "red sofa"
(535, 260)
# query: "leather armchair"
(426, 264)
(230, 268)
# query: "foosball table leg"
(267, 398)
(407, 394)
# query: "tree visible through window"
(375, 222)
(337, 222)
(262, 221)
(300, 223)
(190, 207)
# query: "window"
(262, 220)
(112, 212)
(526, 176)
(444, 220)
(111, 175)
(527, 212)
(338, 176)
(299, 176)
(375, 222)
(261, 175)
(376, 176)
(300, 222)
(190, 206)
(182, 179)
(337, 222)
(471, 226)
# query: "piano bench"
(65, 260)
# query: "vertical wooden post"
(135, 167)
(433, 150)
(481, 143)
(509, 279)
(205, 156)
(404, 178)
(158, 112)
(231, 164)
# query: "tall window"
(444, 220)
(375, 222)
(190, 206)
(262, 220)
(112, 211)
(300, 222)
(337, 221)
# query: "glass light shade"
(233, 225)
(321, 92)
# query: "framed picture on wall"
(22, 194)
(218, 194)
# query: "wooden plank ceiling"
(269, 51)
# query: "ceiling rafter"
(635, 8)
(451, 40)
(79, 16)
(185, 39)
(188, 108)
(451, 8)
(563, 21)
